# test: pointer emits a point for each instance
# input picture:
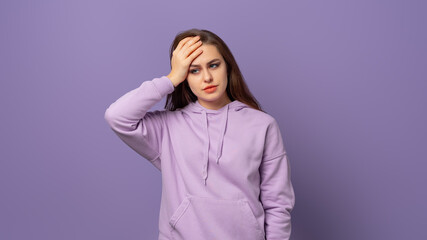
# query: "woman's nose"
(207, 76)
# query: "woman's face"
(208, 69)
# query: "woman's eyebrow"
(196, 65)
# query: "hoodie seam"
(157, 90)
(155, 158)
(277, 156)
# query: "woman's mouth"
(210, 89)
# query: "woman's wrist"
(173, 79)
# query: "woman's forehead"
(210, 52)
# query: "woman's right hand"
(185, 52)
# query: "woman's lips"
(210, 89)
(210, 86)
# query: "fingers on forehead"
(184, 41)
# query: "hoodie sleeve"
(277, 193)
(130, 119)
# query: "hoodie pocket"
(211, 219)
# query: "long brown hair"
(236, 87)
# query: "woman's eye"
(214, 64)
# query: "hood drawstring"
(223, 127)
(196, 108)
(206, 153)
(220, 143)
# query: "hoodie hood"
(197, 108)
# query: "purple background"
(346, 80)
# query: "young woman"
(225, 172)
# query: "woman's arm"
(130, 119)
(277, 193)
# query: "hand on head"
(186, 51)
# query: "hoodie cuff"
(163, 85)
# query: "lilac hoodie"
(225, 173)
